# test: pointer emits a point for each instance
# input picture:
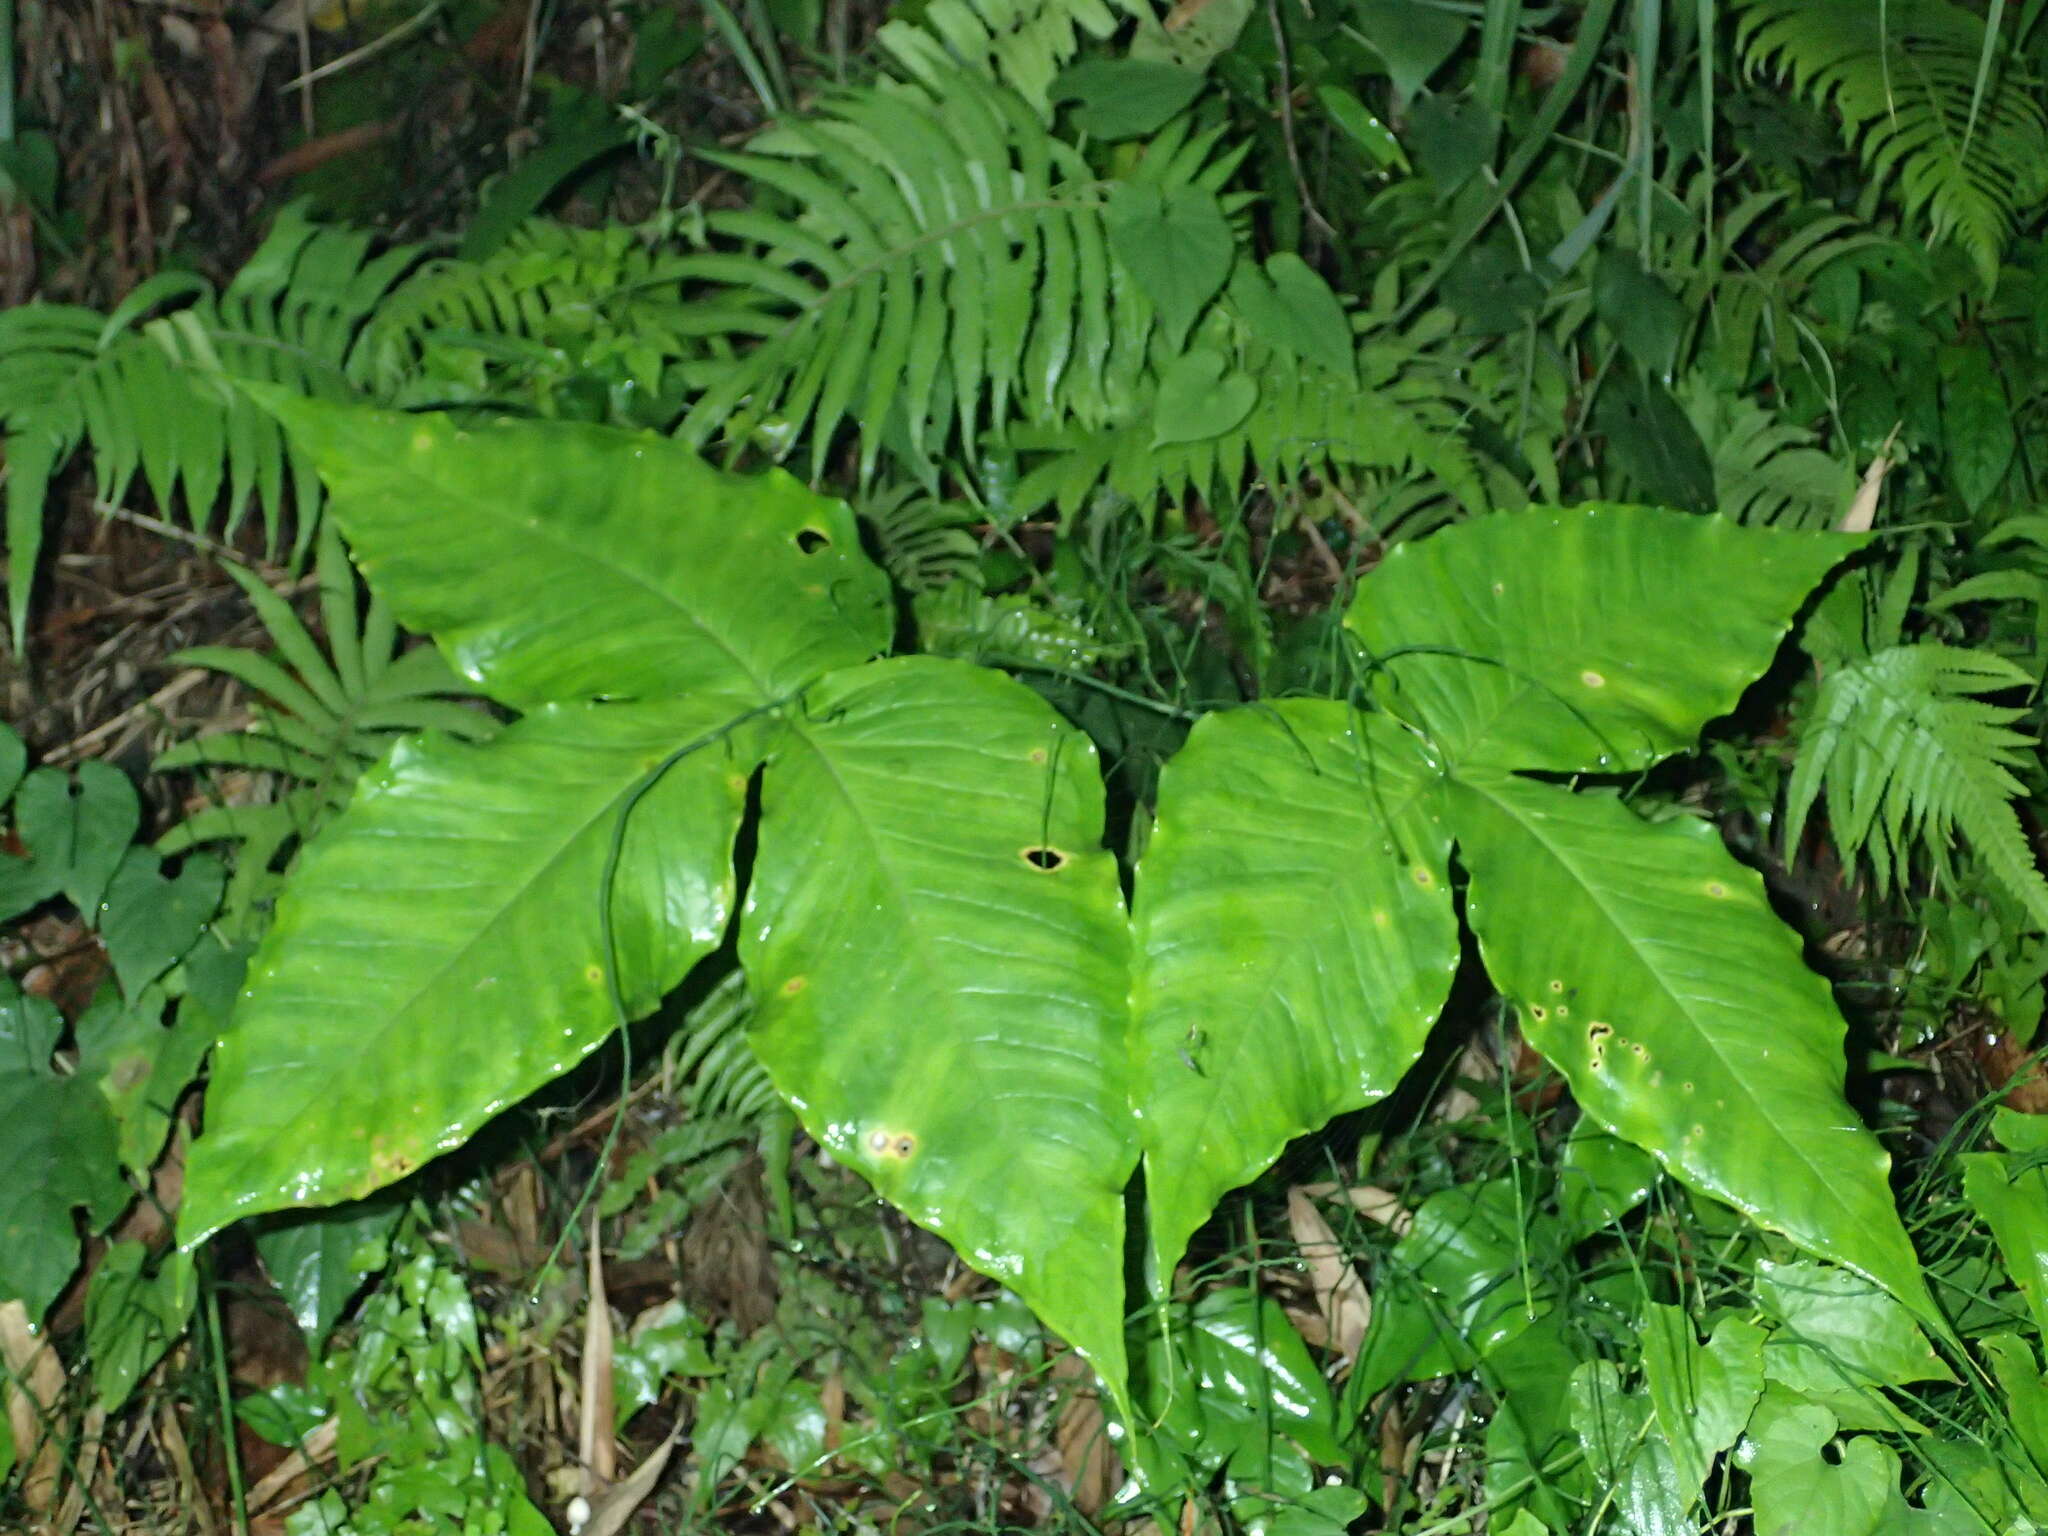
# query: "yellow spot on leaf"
(1592, 679)
(894, 1146)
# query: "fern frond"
(1755, 308)
(324, 715)
(948, 267)
(923, 542)
(1910, 758)
(152, 396)
(714, 1063)
(1021, 43)
(1305, 419)
(553, 305)
(1905, 77)
(1766, 470)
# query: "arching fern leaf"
(1303, 419)
(922, 541)
(151, 397)
(1766, 470)
(558, 320)
(947, 267)
(1022, 43)
(1910, 756)
(1905, 78)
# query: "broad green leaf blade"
(78, 827)
(149, 921)
(61, 1152)
(311, 1256)
(438, 954)
(133, 1314)
(1597, 639)
(1295, 941)
(2011, 1198)
(1839, 1331)
(1647, 965)
(937, 943)
(556, 561)
(1176, 243)
(1797, 1486)
(1703, 1394)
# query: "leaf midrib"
(1741, 1080)
(547, 532)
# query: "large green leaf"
(61, 1152)
(1601, 638)
(937, 944)
(439, 953)
(1294, 942)
(1646, 963)
(557, 561)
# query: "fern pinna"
(150, 395)
(1910, 755)
(1924, 94)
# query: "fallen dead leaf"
(597, 1449)
(610, 1511)
(1341, 1298)
(35, 1391)
(1371, 1202)
(1863, 506)
(1089, 1469)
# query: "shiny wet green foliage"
(949, 991)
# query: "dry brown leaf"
(1089, 1469)
(35, 1392)
(1183, 14)
(1370, 1201)
(287, 1481)
(596, 1447)
(832, 1401)
(2008, 1063)
(85, 1467)
(171, 1439)
(610, 1512)
(1863, 506)
(1341, 1297)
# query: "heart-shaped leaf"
(936, 942)
(149, 922)
(1176, 244)
(1295, 941)
(58, 1145)
(1290, 306)
(399, 1003)
(1124, 98)
(78, 828)
(1197, 401)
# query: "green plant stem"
(1579, 68)
(223, 1395)
(608, 945)
(6, 71)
